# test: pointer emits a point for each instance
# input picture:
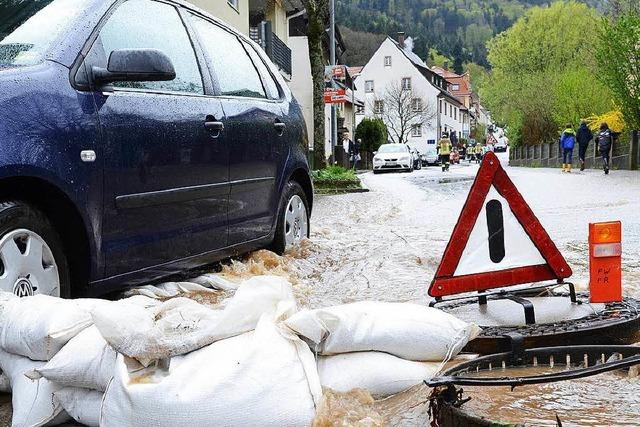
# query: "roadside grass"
(335, 179)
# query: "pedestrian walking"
(567, 142)
(354, 153)
(444, 150)
(584, 136)
(604, 139)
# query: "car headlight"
(378, 160)
(405, 158)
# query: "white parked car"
(393, 157)
(501, 145)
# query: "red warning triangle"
(506, 218)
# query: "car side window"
(146, 24)
(235, 72)
(267, 79)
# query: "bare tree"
(402, 108)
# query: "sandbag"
(169, 290)
(410, 331)
(266, 377)
(32, 400)
(180, 325)
(5, 385)
(215, 281)
(87, 360)
(81, 404)
(380, 374)
(37, 327)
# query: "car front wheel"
(32, 258)
(293, 218)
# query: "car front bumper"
(389, 165)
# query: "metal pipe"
(332, 50)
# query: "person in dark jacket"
(567, 142)
(604, 139)
(583, 136)
(354, 153)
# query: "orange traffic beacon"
(605, 261)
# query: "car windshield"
(392, 148)
(28, 28)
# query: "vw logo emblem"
(23, 288)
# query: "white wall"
(301, 83)
(382, 76)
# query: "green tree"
(618, 56)
(544, 73)
(373, 134)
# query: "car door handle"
(214, 126)
(279, 127)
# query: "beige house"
(233, 12)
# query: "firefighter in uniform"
(478, 151)
(444, 150)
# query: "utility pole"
(332, 50)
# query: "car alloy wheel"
(296, 222)
(27, 265)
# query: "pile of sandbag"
(160, 358)
(384, 348)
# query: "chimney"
(401, 38)
(446, 65)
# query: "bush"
(373, 133)
(335, 177)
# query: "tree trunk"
(317, 12)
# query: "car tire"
(21, 227)
(375, 172)
(419, 165)
(294, 200)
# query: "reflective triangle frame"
(445, 283)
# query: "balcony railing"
(275, 48)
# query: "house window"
(455, 113)
(416, 131)
(387, 61)
(406, 83)
(233, 4)
(368, 86)
(455, 87)
(416, 104)
(378, 107)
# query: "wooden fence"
(624, 155)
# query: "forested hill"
(457, 28)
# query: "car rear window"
(28, 28)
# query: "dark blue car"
(139, 138)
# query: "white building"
(395, 63)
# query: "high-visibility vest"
(445, 146)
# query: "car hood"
(389, 156)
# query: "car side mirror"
(375, 152)
(135, 65)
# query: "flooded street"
(387, 244)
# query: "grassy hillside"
(457, 28)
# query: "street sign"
(337, 72)
(335, 96)
(497, 241)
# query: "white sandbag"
(5, 385)
(169, 290)
(83, 405)
(410, 331)
(181, 325)
(32, 400)
(37, 327)
(85, 361)
(267, 377)
(215, 281)
(380, 374)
